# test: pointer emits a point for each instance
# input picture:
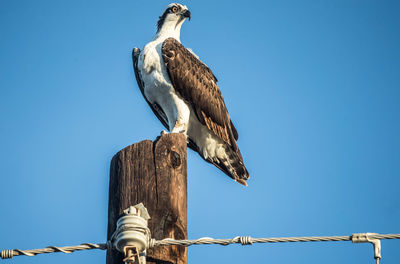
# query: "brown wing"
(197, 85)
(154, 107)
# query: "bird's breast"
(155, 77)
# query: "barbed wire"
(244, 240)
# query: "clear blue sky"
(312, 86)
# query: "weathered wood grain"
(155, 174)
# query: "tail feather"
(228, 161)
(233, 166)
(231, 163)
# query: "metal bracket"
(132, 255)
(366, 238)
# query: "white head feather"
(170, 22)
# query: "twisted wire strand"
(244, 240)
(249, 240)
(5, 254)
(386, 236)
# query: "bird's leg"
(180, 127)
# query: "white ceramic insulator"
(131, 236)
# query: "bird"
(183, 93)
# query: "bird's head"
(173, 17)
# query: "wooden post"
(152, 173)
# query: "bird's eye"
(174, 9)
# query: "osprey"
(183, 93)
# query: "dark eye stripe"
(161, 19)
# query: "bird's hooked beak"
(187, 14)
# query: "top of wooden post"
(155, 174)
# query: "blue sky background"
(312, 86)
